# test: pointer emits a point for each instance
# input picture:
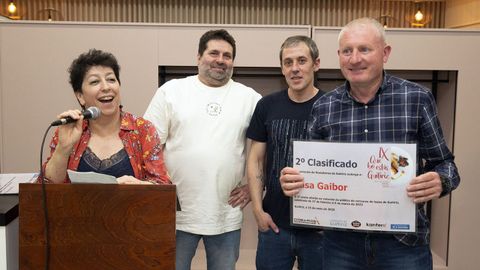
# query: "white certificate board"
(356, 186)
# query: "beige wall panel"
(35, 87)
(411, 49)
(430, 49)
(257, 46)
(464, 233)
(326, 39)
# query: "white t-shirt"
(203, 129)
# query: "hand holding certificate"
(354, 186)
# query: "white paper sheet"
(9, 182)
(90, 177)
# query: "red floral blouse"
(141, 143)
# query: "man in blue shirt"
(373, 106)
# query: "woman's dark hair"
(85, 61)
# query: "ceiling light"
(418, 16)
(12, 8)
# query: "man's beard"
(220, 76)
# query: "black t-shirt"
(276, 121)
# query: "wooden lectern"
(98, 226)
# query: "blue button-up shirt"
(400, 112)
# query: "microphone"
(90, 113)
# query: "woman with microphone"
(116, 143)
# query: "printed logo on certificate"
(355, 186)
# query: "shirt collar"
(347, 97)
(127, 123)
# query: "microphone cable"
(44, 204)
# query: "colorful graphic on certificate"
(357, 186)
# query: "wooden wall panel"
(397, 13)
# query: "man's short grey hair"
(364, 22)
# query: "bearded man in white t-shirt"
(202, 122)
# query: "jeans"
(222, 250)
(373, 251)
(279, 251)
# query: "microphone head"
(92, 113)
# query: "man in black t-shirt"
(277, 119)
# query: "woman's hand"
(69, 134)
(130, 180)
